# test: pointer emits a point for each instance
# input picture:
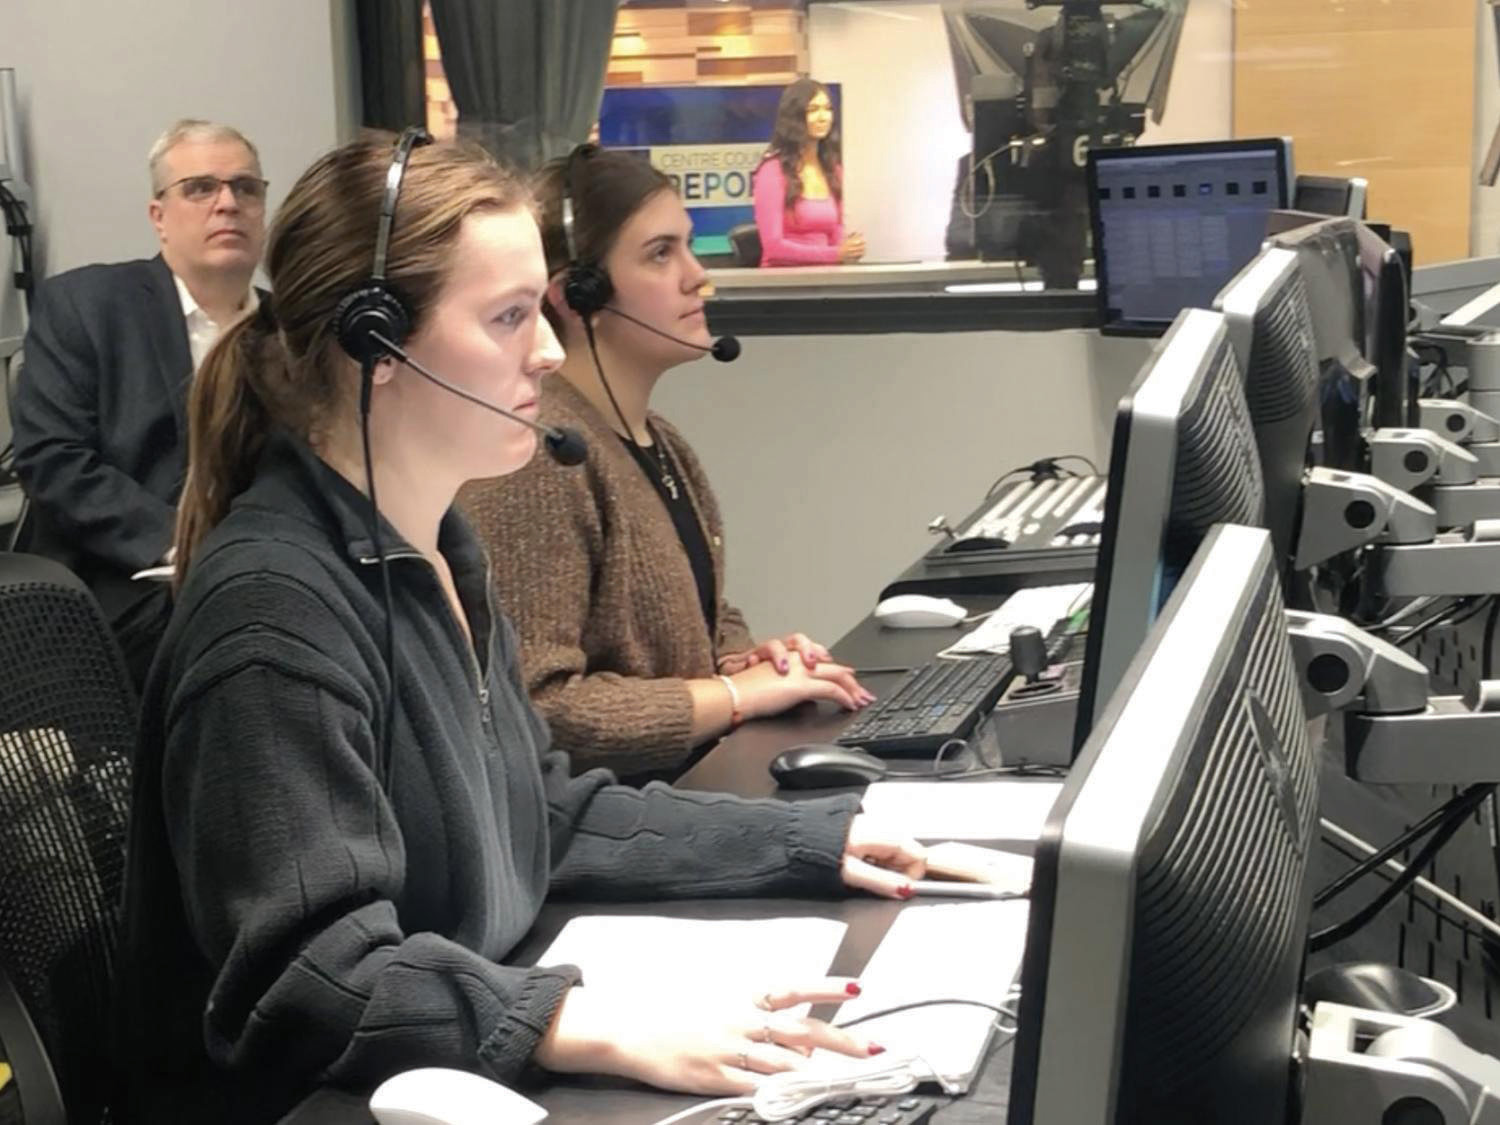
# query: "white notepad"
(1001, 808)
(714, 961)
(970, 951)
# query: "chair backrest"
(14, 502)
(67, 742)
(744, 244)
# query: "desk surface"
(738, 765)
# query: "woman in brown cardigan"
(613, 571)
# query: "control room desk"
(738, 765)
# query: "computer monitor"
(1170, 894)
(1183, 458)
(1173, 223)
(1270, 325)
(1331, 195)
(1328, 251)
(1387, 314)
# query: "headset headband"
(410, 139)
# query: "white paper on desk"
(1002, 808)
(978, 959)
(711, 960)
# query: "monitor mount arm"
(1345, 511)
(1395, 732)
(1372, 1068)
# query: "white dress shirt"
(201, 329)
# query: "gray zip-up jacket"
(289, 921)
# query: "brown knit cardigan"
(590, 568)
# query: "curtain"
(526, 75)
(392, 74)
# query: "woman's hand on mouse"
(778, 652)
(697, 1047)
(765, 690)
(881, 861)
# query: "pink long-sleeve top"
(809, 233)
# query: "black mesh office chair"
(67, 739)
(15, 507)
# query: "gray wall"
(830, 455)
(100, 79)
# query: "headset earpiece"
(587, 289)
(586, 286)
(376, 308)
(372, 310)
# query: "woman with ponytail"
(302, 908)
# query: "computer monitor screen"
(1328, 250)
(1270, 325)
(1170, 894)
(1183, 458)
(1173, 223)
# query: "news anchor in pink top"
(798, 188)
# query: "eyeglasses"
(249, 191)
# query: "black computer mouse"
(824, 765)
(1381, 988)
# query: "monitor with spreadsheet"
(1173, 223)
(1183, 458)
(1170, 893)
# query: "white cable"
(717, 1103)
(1431, 888)
(793, 1092)
(1404, 612)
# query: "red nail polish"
(876, 1049)
(906, 891)
(852, 988)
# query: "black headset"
(377, 307)
(586, 286)
(366, 320)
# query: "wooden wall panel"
(1377, 88)
(677, 43)
(671, 43)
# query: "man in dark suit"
(100, 413)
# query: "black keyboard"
(893, 1109)
(932, 703)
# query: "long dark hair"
(286, 369)
(790, 135)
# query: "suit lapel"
(169, 338)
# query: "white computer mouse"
(435, 1095)
(918, 611)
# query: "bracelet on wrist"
(736, 717)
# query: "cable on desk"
(1043, 468)
(998, 1009)
(792, 1093)
(935, 772)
